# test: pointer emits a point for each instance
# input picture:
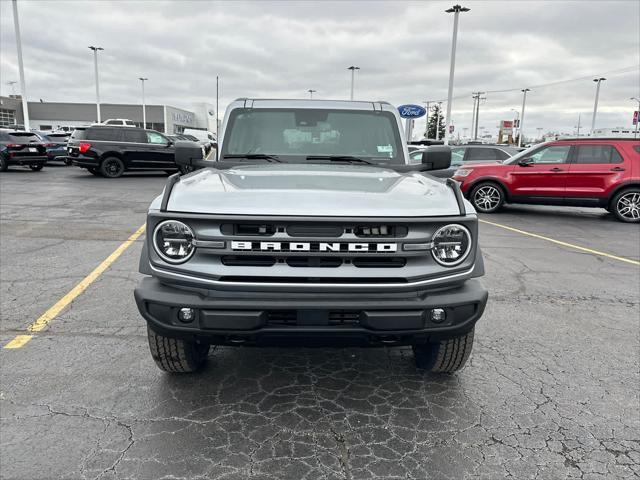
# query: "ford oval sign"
(411, 111)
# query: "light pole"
(353, 74)
(12, 84)
(635, 133)
(427, 104)
(144, 110)
(477, 98)
(311, 92)
(456, 9)
(595, 104)
(438, 114)
(578, 127)
(95, 65)
(23, 88)
(524, 100)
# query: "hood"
(312, 190)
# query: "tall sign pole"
(456, 9)
(95, 66)
(23, 87)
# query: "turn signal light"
(84, 147)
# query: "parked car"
(56, 145)
(469, 154)
(110, 151)
(590, 172)
(21, 148)
(207, 139)
(117, 122)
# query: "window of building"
(7, 117)
(46, 127)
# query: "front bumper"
(237, 317)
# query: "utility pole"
(353, 73)
(144, 110)
(635, 133)
(595, 104)
(473, 115)
(217, 100)
(311, 92)
(524, 99)
(477, 112)
(456, 9)
(95, 65)
(578, 128)
(23, 88)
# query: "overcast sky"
(282, 49)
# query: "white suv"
(117, 122)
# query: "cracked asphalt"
(551, 390)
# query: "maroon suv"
(597, 172)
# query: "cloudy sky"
(282, 49)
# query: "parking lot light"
(456, 9)
(311, 92)
(524, 100)
(144, 110)
(353, 72)
(595, 104)
(95, 65)
(23, 88)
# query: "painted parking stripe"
(564, 244)
(46, 317)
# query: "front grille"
(289, 318)
(314, 262)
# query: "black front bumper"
(233, 318)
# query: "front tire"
(176, 355)
(3, 164)
(36, 168)
(487, 197)
(625, 205)
(112, 167)
(446, 356)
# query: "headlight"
(173, 241)
(462, 172)
(451, 244)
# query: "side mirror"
(436, 157)
(525, 162)
(188, 154)
(169, 142)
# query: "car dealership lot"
(551, 390)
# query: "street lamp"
(144, 110)
(456, 9)
(353, 72)
(595, 104)
(95, 64)
(524, 100)
(311, 92)
(23, 87)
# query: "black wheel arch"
(498, 182)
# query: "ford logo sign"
(411, 111)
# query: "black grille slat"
(392, 262)
(314, 262)
(329, 231)
(248, 261)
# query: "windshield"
(293, 134)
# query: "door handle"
(556, 169)
(617, 169)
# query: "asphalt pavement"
(551, 390)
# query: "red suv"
(602, 172)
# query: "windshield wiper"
(253, 156)
(339, 158)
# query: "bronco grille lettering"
(314, 246)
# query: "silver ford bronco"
(311, 227)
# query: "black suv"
(110, 151)
(21, 148)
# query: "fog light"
(186, 314)
(438, 315)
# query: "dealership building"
(63, 115)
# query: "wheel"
(3, 164)
(176, 355)
(446, 356)
(95, 172)
(487, 197)
(36, 168)
(625, 205)
(112, 167)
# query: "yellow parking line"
(564, 244)
(46, 317)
